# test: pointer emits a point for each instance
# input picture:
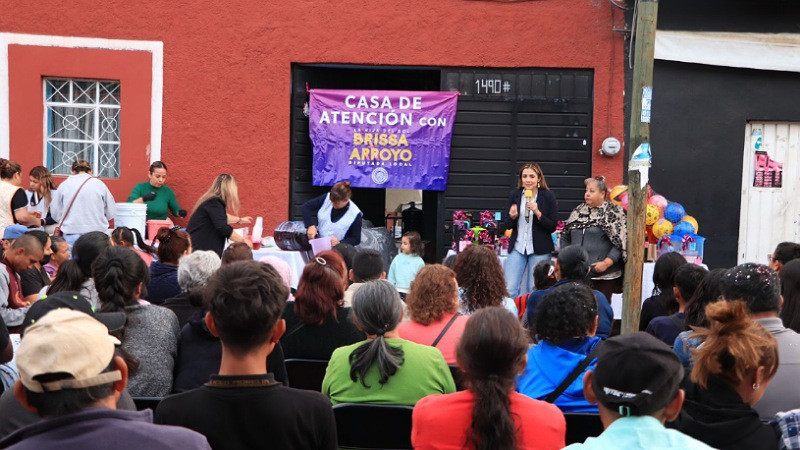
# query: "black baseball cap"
(636, 374)
(114, 321)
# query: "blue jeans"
(516, 266)
(71, 238)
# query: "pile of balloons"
(662, 217)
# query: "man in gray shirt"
(757, 285)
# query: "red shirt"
(441, 422)
(426, 334)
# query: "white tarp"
(760, 51)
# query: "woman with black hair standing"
(489, 414)
(384, 369)
(159, 198)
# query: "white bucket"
(132, 215)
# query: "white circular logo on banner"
(380, 175)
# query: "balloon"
(674, 212)
(662, 228)
(693, 221)
(624, 199)
(659, 201)
(683, 227)
(616, 193)
(652, 214)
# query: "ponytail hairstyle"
(72, 273)
(224, 187)
(117, 272)
(544, 275)
(733, 347)
(9, 168)
(124, 237)
(377, 309)
(491, 352)
(172, 244)
(341, 191)
(664, 280)
(81, 166)
(46, 183)
(157, 165)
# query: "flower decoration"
(468, 235)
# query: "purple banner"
(382, 139)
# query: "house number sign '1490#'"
(491, 86)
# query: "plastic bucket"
(154, 225)
(131, 215)
(320, 244)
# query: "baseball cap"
(636, 374)
(114, 321)
(69, 342)
(14, 232)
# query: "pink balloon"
(658, 201)
(624, 199)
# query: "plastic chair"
(370, 426)
(143, 403)
(581, 426)
(306, 373)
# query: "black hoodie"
(200, 356)
(719, 417)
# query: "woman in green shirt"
(384, 369)
(159, 198)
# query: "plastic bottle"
(258, 229)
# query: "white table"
(296, 260)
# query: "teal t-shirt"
(423, 372)
(164, 202)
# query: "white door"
(769, 215)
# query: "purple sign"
(382, 139)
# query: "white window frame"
(95, 107)
(156, 48)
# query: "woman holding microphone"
(532, 214)
(334, 215)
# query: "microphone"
(528, 197)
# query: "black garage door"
(506, 118)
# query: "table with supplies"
(296, 260)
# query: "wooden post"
(647, 13)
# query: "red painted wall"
(227, 66)
(29, 64)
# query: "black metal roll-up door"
(506, 118)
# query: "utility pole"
(646, 15)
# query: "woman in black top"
(533, 219)
(209, 225)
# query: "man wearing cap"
(70, 376)
(14, 415)
(244, 407)
(11, 233)
(23, 254)
(635, 384)
(757, 285)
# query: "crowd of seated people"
(715, 367)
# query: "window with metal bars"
(82, 122)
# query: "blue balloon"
(683, 228)
(674, 212)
